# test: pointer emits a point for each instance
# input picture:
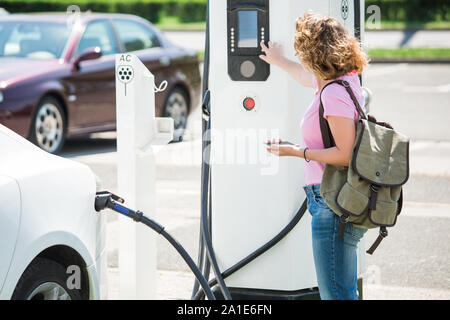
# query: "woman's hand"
(273, 53)
(277, 149)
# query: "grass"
(417, 25)
(435, 54)
(173, 23)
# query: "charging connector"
(107, 200)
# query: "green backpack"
(368, 193)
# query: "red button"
(249, 103)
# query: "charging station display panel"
(248, 29)
(248, 26)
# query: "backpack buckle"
(383, 232)
(344, 218)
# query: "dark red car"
(57, 73)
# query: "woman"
(326, 52)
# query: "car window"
(135, 36)
(98, 34)
(37, 40)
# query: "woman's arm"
(344, 134)
(273, 55)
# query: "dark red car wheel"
(177, 107)
(48, 125)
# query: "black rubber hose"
(204, 220)
(205, 121)
(298, 216)
(203, 282)
(203, 262)
(207, 265)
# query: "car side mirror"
(89, 54)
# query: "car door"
(139, 39)
(10, 207)
(94, 82)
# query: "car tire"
(44, 279)
(48, 125)
(177, 108)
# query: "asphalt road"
(412, 263)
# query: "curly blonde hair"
(326, 48)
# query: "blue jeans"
(335, 260)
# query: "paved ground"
(408, 39)
(412, 263)
(374, 39)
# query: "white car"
(52, 241)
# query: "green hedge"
(195, 10)
(149, 11)
(412, 10)
(152, 10)
(191, 12)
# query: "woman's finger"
(270, 44)
(276, 141)
(263, 46)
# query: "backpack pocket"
(352, 201)
(385, 214)
(356, 204)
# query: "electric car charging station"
(250, 204)
(254, 233)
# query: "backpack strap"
(327, 137)
(383, 231)
(328, 140)
(383, 234)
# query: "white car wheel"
(49, 291)
(44, 279)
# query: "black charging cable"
(108, 200)
(255, 254)
(203, 262)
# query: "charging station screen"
(248, 29)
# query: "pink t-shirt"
(336, 102)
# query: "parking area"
(412, 263)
